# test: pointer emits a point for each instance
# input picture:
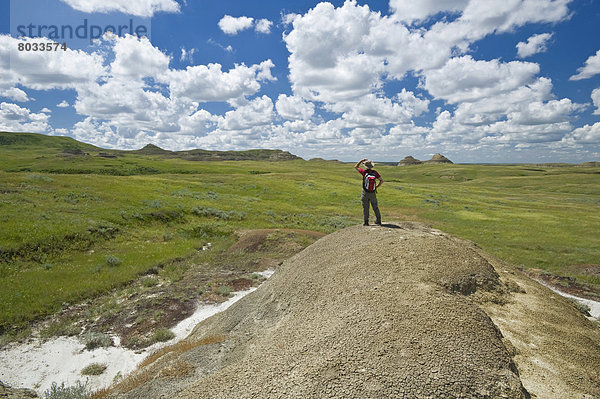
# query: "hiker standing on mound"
(369, 189)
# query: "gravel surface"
(366, 312)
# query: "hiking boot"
(365, 223)
(378, 222)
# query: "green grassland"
(75, 224)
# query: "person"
(369, 189)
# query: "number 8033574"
(42, 46)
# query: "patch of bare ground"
(570, 285)
(555, 347)
(154, 302)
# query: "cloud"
(205, 83)
(14, 94)
(263, 26)
(588, 134)
(409, 11)
(535, 44)
(596, 99)
(187, 55)
(17, 119)
(44, 70)
(46, 110)
(232, 25)
(158, 104)
(227, 48)
(137, 57)
(141, 8)
(258, 112)
(63, 104)
(465, 79)
(371, 111)
(591, 68)
(328, 59)
(294, 108)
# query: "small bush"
(41, 178)
(94, 369)
(218, 213)
(93, 340)
(582, 307)
(155, 204)
(78, 391)
(149, 282)
(103, 230)
(224, 290)
(162, 335)
(113, 261)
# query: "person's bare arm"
(380, 182)
(357, 166)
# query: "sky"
(476, 80)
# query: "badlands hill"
(384, 312)
(437, 158)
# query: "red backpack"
(370, 180)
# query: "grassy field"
(74, 224)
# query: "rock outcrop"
(439, 158)
(384, 312)
(409, 160)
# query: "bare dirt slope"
(382, 312)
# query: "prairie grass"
(67, 221)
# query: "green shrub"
(93, 340)
(39, 177)
(149, 282)
(224, 290)
(78, 391)
(218, 213)
(581, 307)
(162, 335)
(209, 230)
(94, 369)
(113, 261)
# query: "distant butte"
(437, 158)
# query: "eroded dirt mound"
(368, 312)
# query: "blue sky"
(479, 81)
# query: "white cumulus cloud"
(534, 45)
(263, 26)
(63, 104)
(204, 83)
(466, 79)
(588, 134)
(258, 112)
(137, 57)
(589, 69)
(294, 108)
(44, 70)
(14, 118)
(232, 25)
(14, 93)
